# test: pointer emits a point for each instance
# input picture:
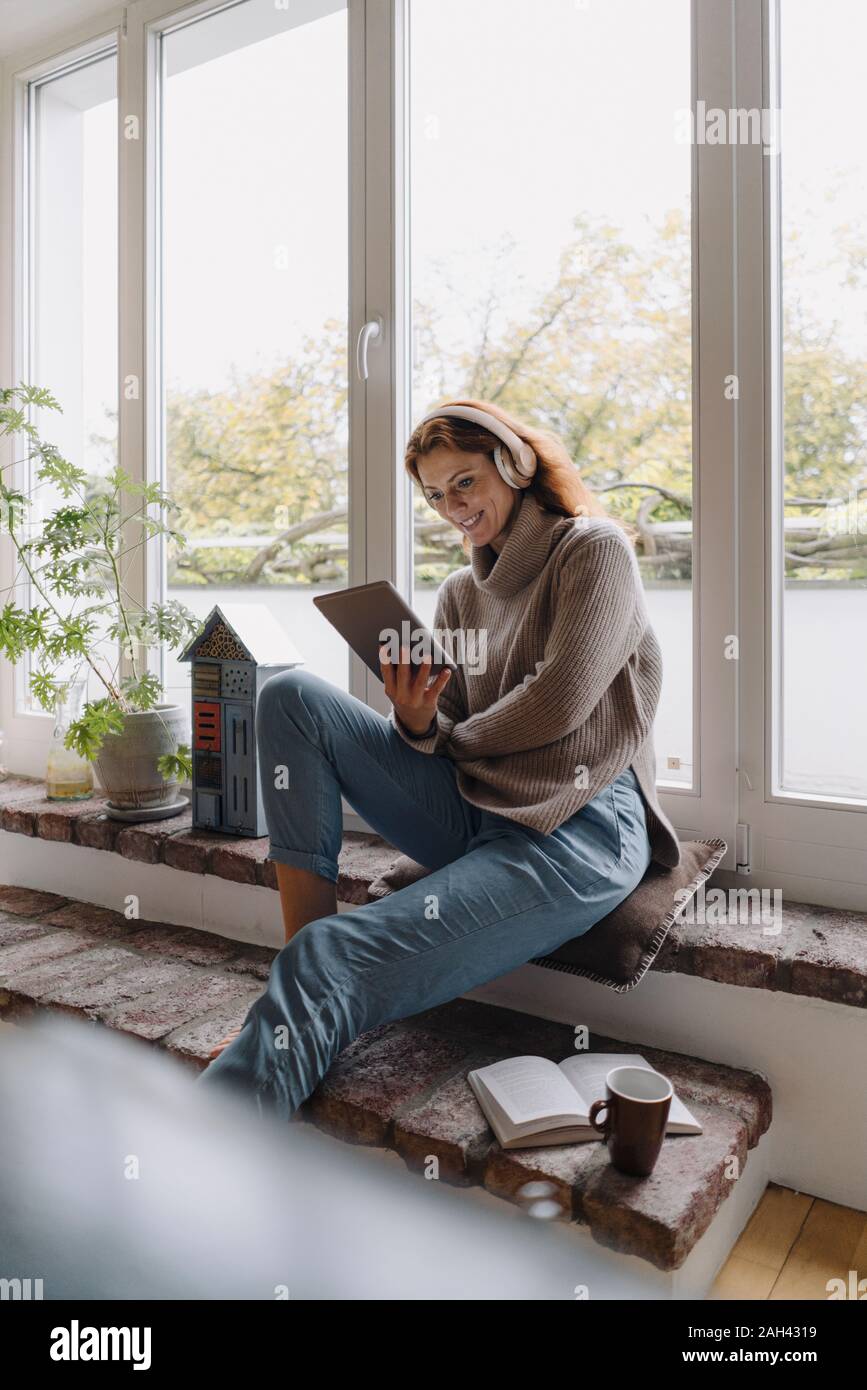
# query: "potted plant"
(81, 618)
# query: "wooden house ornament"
(228, 672)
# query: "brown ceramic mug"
(637, 1102)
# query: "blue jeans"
(499, 892)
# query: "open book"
(530, 1101)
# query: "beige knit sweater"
(571, 680)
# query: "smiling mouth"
(472, 522)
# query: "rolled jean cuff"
(303, 859)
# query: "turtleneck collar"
(525, 551)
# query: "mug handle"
(594, 1112)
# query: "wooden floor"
(792, 1246)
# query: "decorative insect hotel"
(227, 674)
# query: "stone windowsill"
(24, 810)
(819, 952)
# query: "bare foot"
(230, 1037)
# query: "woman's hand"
(406, 685)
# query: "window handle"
(371, 330)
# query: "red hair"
(557, 483)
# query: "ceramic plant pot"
(127, 762)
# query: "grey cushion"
(619, 949)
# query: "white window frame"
(27, 733)
(733, 475)
(812, 848)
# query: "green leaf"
(142, 692)
(12, 621)
(58, 470)
(177, 765)
(99, 719)
(45, 688)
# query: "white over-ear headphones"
(517, 470)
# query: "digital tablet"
(369, 615)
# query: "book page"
(529, 1088)
(586, 1072)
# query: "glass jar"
(68, 776)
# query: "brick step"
(403, 1085)
(818, 952)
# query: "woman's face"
(468, 491)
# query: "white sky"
(521, 117)
(501, 109)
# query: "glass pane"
(255, 293)
(72, 323)
(550, 250)
(821, 740)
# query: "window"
(70, 322)
(510, 193)
(821, 435)
(254, 246)
(550, 269)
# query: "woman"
(525, 782)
